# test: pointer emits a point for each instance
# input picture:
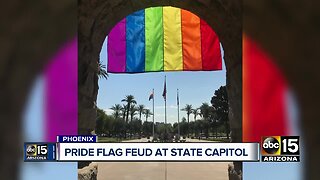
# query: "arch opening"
(226, 22)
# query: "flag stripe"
(135, 33)
(61, 103)
(191, 41)
(154, 39)
(172, 39)
(117, 48)
(210, 47)
(260, 107)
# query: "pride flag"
(163, 39)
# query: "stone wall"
(89, 172)
(232, 174)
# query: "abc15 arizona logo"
(280, 149)
(36, 151)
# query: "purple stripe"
(117, 48)
(61, 93)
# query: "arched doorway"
(97, 19)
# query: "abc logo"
(31, 150)
(271, 145)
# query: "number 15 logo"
(290, 145)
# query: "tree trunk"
(128, 109)
(188, 126)
(227, 130)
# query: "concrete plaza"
(163, 170)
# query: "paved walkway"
(162, 171)
(137, 140)
(197, 140)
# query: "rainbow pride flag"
(163, 39)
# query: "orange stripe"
(191, 41)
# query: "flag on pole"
(178, 97)
(164, 94)
(151, 96)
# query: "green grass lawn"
(223, 140)
(108, 139)
(111, 139)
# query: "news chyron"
(280, 149)
(39, 151)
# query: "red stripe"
(210, 48)
(264, 95)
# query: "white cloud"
(108, 111)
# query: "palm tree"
(130, 101)
(123, 111)
(205, 110)
(188, 109)
(147, 113)
(195, 113)
(141, 109)
(117, 109)
(102, 73)
(133, 110)
(206, 113)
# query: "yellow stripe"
(172, 39)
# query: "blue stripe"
(135, 36)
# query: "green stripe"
(154, 39)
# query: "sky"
(195, 88)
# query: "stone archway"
(97, 18)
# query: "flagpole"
(153, 114)
(164, 94)
(178, 112)
(165, 105)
